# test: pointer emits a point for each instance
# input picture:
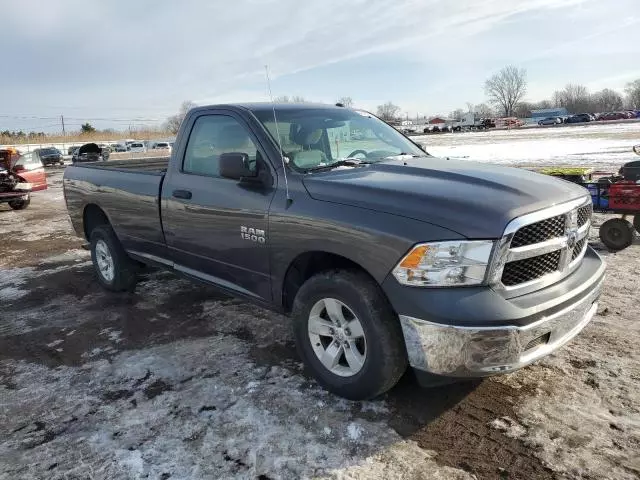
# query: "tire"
(114, 269)
(636, 222)
(381, 345)
(20, 204)
(616, 234)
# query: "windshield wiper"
(405, 154)
(347, 162)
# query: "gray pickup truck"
(384, 256)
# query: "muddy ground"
(176, 381)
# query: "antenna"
(275, 120)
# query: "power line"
(106, 119)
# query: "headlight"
(445, 264)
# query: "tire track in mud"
(455, 421)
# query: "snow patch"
(354, 431)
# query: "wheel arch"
(308, 264)
(92, 217)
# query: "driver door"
(217, 228)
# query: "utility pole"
(63, 131)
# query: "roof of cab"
(268, 106)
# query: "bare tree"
(346, 101)
(388, 111)
(469, 107)
(607, 100)
(483, 110)
(174, 121)
(542, 104)
(288, 99)
(457, 114)
(575, 98)
(633, 94)
(523, 109)
(506, 88)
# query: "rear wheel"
(616, 234)
(348, 335)
(115, 270)
(20, 204)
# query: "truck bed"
(128, 191)
(149, 165)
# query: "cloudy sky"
(116, 62)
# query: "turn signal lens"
(412, 260)
(445, 264)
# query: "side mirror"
(236, 166)
(636, 149)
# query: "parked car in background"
(91, 152)
(49, 156)
(612, 116)
(550, 121)
(165, 146)
(579, 118)
(19, 176)
(118, 147)
(137, 147)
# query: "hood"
(8, 158)
(473, 199)
(89, 148)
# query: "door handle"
(186, 194)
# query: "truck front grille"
(539, 232)
(584, 214)
(578, 249)
(522, 271)
(539, 247)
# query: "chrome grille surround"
(571, 245)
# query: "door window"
(211, 136)
(29, 161)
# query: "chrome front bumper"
(480, 351)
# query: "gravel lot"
(176, 381)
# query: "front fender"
(373, 240)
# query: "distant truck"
(469, 121)
(383, 255)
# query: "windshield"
(315, 137)
(136, 145)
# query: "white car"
(162, 146)
(137, 147)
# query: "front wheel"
(616, 234)
(20, 204)
(347, 334)
(115, 270)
